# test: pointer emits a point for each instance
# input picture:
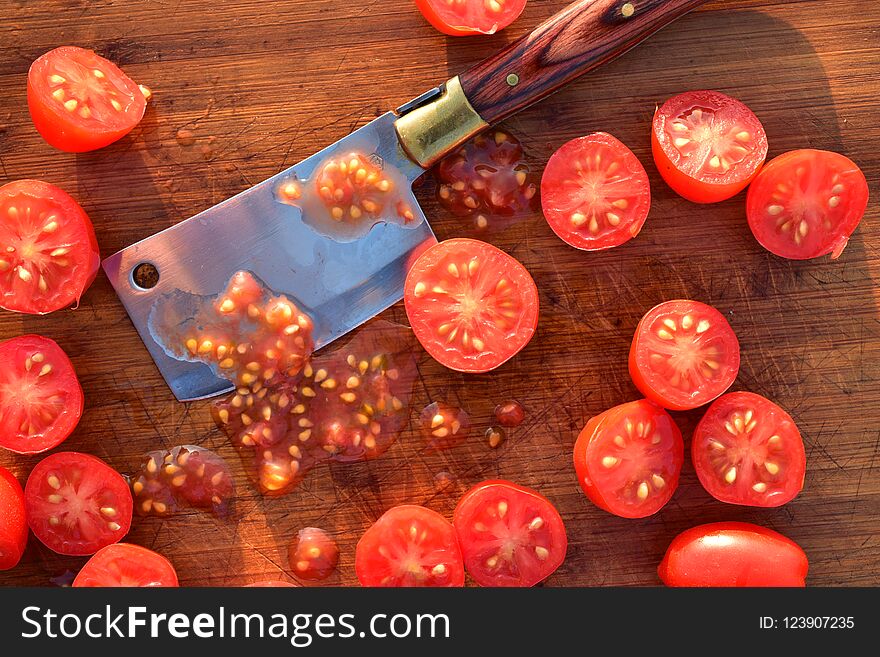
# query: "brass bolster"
(429, 132)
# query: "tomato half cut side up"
(806, 203)
(510, 535)
(470, 17)
(126, 565)
(77, 504)
(48, 249)
(747, 450)
(41, 400)
(727, 554)
(471, 306)
(707, 146)
(409, 546)
(595, 193)
(628, 459)
(684, 354)
(80, 101)
(13, 525)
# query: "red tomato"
(595, 192)
(683, 355)
(471, 306)
(42, 400)
(77, 504)
(469, 17)
(79, 101)
(733, 554)
(628, 459)
(124, 564)
(510, 535)
(707, 146)
(51, 255)
(409, 546)
(13, 525)
(747, 450)
(807, 203)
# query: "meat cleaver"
(344, 279)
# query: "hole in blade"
(145, 276)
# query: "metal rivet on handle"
(513, 79)
(627, 10)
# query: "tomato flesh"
(126, 565)
(510, 535)
(471, 306)
(595, 193)
(409, 546)
(13, 523)
(747, 450)
(77, 504)
(41, 400)
(806, 203)
(80, 101)
(684, 354)
(707, 146)
(48, 250)
(727, 554)
(470, 17)
(313, 555)
(628, 459)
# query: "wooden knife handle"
(584, 35)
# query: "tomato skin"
(530, 570)
(436, 14)
(592, 442)
(126, 565)
(725, 417)
(711, 189)
(76, 227)
(65, 130)
(853, 190)
(14, 354)
(13, 522)
(733, 554)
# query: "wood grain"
(264, 83)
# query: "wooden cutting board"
(263, 83)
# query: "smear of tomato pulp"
(313, 554)
(444, 426)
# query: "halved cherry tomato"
(80, 101)
(77, 504)
(469, 17)
(807, 203)
(41, 400)
(747, 450)
(409, 546)
(707, 146)
(13, 525)
(510, 535)
(595, 193)
(48, 250)
(124, 564)
(471, 306)
(725, 554)
(628, 459)
(683, 355)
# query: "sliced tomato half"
(807, 203)
(41, 400)
(469, 17)
(707, 146)
(77, 504)
(747, 450)
(628, 459)
(510, 535)
(48, 250)
(595, 193)
(409, 546)
(80, 101)
(127, 565)
(13, 524)
(471, 306)
(683, 355)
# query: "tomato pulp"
(13, 524)
(469, 17)
(124, 564)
